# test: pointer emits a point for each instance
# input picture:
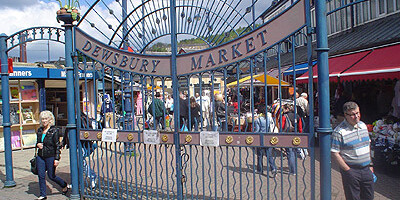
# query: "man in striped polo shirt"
(351, 150)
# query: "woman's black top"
(51, 143)
(195, 113)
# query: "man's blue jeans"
(291, 156)
(261, 152)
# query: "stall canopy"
(382, 63)
(299, 69)
(258, 80)
(336, 66)
(375, 64)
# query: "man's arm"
(336, 156)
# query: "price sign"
(209, 138)
(151, 137)
(109, 135)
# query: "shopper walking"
(48, 142)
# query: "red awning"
(336, 66)
(382, 63)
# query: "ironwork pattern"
(34, 34)
(213, 21)
(131, 169)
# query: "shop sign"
(25, 72)
(62, 74)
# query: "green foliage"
(220, 38)
(159, 47)
(69, 4)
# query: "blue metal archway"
(179, 166)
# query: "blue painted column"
(311, 140)
(324, 129)
(6, 112)
(71, 126)
(42, 95)
(175, 93)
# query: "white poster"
(151, 137)
(209, 138)
(109, 135)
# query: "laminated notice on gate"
(209, 138)
(151, 137)
(109, 135)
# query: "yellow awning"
(258, 80)
(149, 87)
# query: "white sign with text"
(109, 135)
(151, 137)
(209, 138)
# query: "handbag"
(34, 169)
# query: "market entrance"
(146, 131)
(184, 125)
(134, 142)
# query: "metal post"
(125, 24)
(71, 126)
(310, 31)
(324, 129)
(42, 95)
(175, 93)
(6, 112)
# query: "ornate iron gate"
(132, 148)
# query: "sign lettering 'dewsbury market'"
(248, 45)
(144, 64)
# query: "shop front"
(32, 90)
(371, 78)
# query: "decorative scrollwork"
(274, 140)
(99, 135)
(86, 135)
(296, 141)
(249, 140)
(229, 139)
(130, 136)
(164, 138)
(188, 138)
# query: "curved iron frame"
(45, 33)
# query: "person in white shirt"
(168, 104)
(204, 102)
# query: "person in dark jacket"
(194, 113)
(220, 111)
(183, 110)
(156, 109)
(48, 143)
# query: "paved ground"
(387, 187)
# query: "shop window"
(390, 6)
(373, 9)
(381, 5)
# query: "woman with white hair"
(48, 142)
